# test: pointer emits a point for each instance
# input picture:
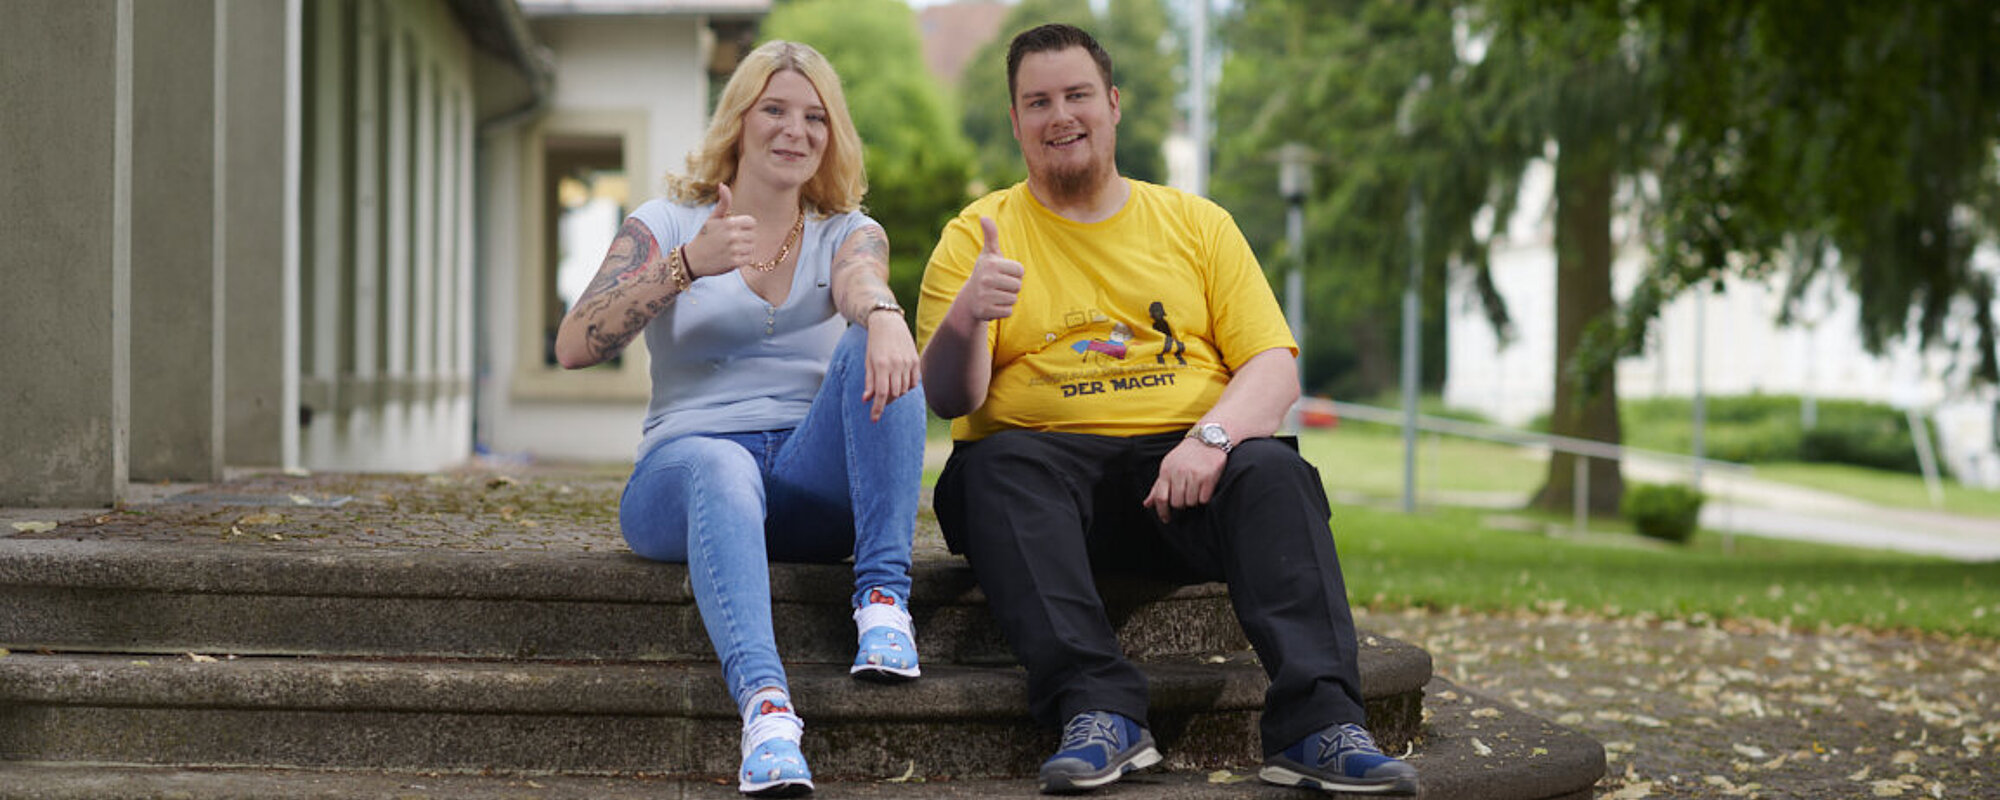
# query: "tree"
(1452, 101)
(919, 164)
(1144, 58)
(1798, 136)
(1857, 137)
(1331, 77)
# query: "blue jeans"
(727, 504)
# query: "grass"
(1367, 459)
(1464, 558)
(1460, 559)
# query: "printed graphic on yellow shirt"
(1113, 347)
(1103, 347)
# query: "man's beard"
(1070, 184)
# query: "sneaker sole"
(789, 788)
(1285, 777)
(1068, 784)
(880, 674)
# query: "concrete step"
(150, 597)
(1472, 748)
(598, 717)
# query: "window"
(577, 186)
(587, 197)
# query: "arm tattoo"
(871, 257)
(630, 289)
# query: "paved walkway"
(1751, 505)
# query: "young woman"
(786, 420)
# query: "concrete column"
(177, 278)
(66, 150)
(327, 212)
(424, 264)
(260, 245)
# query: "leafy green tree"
(1144, 58)
(1856, 138)
(1750, 139)
(1450, 102)
(919, 164)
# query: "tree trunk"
(1584, 181)
(1375, 360)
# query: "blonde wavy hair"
(841, 181)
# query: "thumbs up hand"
(995, 284)
(724, 242)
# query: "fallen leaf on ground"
(909, 775)
(1225, 776)
(1480, 747)
(1632, 791)
(34, 526)
(200, 659)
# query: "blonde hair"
(841, 181)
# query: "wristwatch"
(882, 305)
(1213, 435)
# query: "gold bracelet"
(677, 266)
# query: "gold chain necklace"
(792, 238)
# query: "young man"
(1115, 365)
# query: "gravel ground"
(1712, 710)
(1685, 708)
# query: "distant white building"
(1733, 336)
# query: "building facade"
(320, 234)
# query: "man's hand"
(1187, 478)
(995, 283)
(893, 369)
(724, 242)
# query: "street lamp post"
(1412, 351)
(1294, 180)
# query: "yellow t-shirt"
(1124, 327)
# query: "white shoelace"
(877, 615)
(761, 728)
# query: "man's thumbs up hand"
(995, 284)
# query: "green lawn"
(1463, 558)
(1452, 558)
(1363, 458)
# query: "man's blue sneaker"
(1098, 747)
(1342, 758)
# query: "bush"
(1668, 512)
(1759, 428)
(1862, 434)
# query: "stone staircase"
(150, 669)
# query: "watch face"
(1214, 434)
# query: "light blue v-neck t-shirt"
(726, 361)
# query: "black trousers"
(1036, 513)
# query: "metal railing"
(1584, 449)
